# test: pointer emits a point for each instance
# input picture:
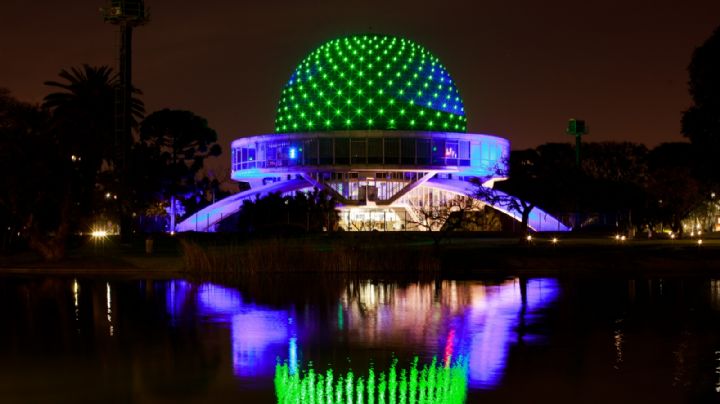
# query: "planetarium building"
(378, 122)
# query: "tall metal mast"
(127, 14)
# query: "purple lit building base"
(384, 180)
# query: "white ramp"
(206, 219)
(539, 220)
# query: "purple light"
(259, 335)
(492, 325)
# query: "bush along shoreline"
(389, 255)
(260, 256)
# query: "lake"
(560, 340)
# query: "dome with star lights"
(370, 82)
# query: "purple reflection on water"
(177, 296)
(495, 320)
(478, 321)
(259, 334)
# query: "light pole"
(126, 14)
(577, 128)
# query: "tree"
(613, 185)
(440, 219)
(701, 122)
(544, 177)
(84, 112)
(672, 189)
(83, 119)
(37, 191)
(314, 211)
(180, 141)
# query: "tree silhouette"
(536, 177)
(182, 141)
(83, 118)
(313, 211)
(84, 113)
(37, 198)
(701, 122)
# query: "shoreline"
(458, 258)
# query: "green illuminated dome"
(371, 82)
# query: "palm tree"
(84, 113)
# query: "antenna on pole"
(127, 14)
(577, 128)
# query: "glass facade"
(295, 151)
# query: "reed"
(298, 255)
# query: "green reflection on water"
(434, 383)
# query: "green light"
(326, 75)
(433, 383)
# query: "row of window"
(344, 151)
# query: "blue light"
(293, 153)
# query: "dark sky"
(523, 67)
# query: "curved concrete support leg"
(539, 219)
(206, 219)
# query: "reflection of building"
(477, 321)
(259, 334)
(378, 122)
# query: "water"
(520, 340)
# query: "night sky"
(523, 67)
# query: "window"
(438, 152)
(342, 151)
(392, 151)
(326, 151)
(423, 151)
(407, 151)
(310, 152)
(374, 148)
(358, 148)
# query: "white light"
(108, 295)
(617, 237)
(529, 238)
(622, 238)
(700, 241)
(172, 233)
(554, 240)
(99, 233)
